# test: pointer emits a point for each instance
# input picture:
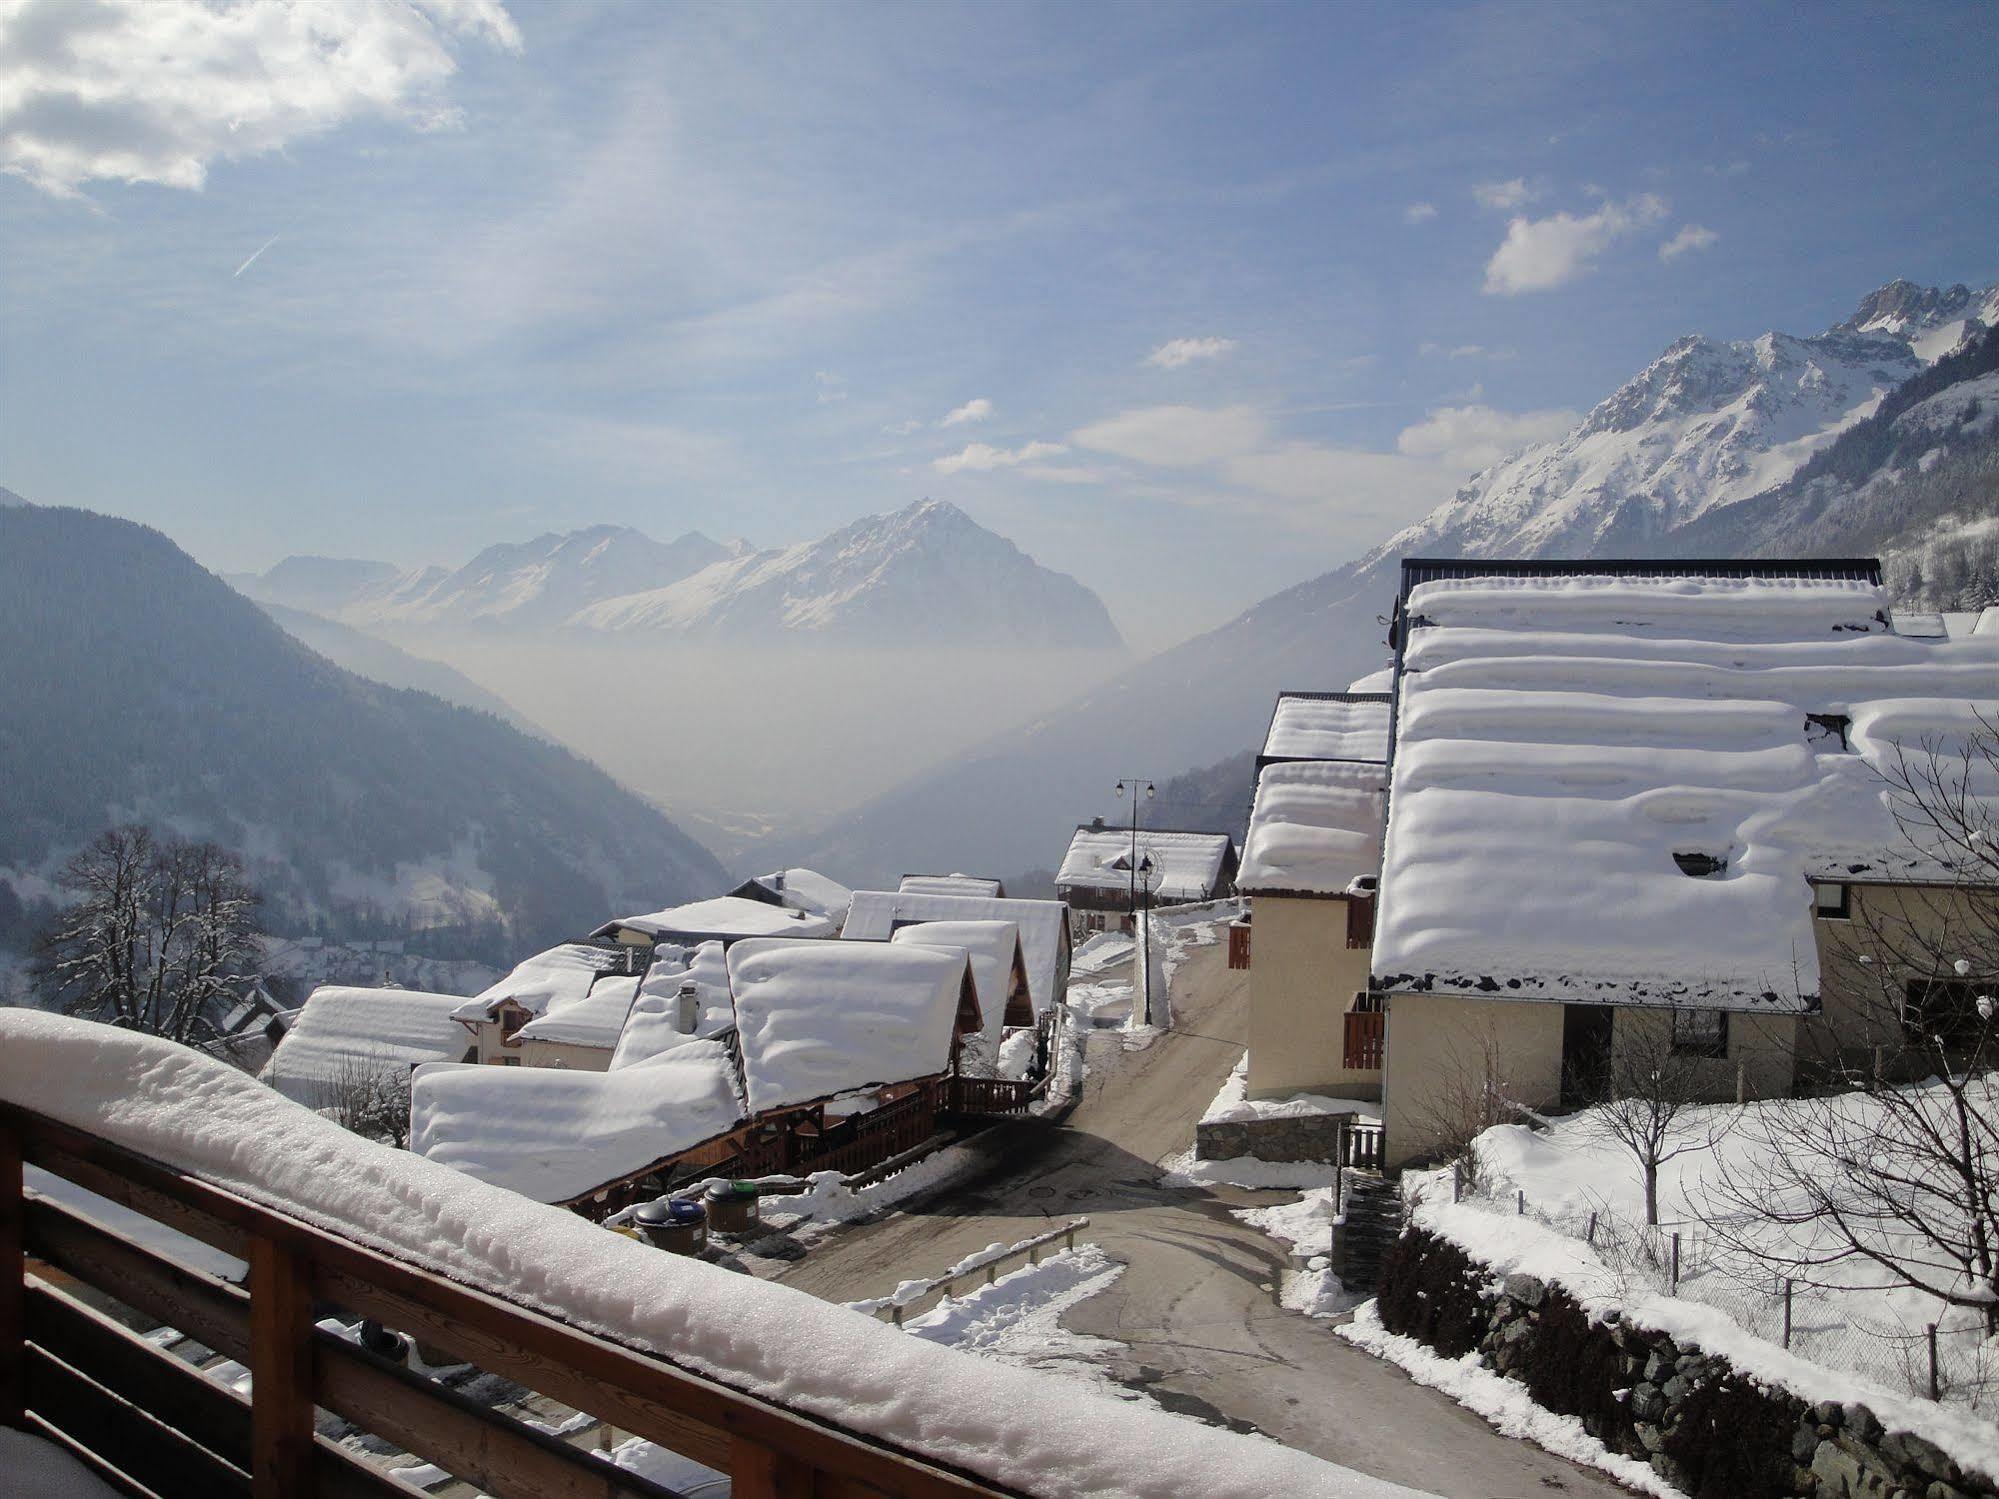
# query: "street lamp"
(1144, 975)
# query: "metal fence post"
(1936, 1389)
(1589, 1237)
(1520, 1201)
(1787, 1311)
(1676, 1263)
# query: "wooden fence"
(992, 1096)
(129, 1408)
(1239, 932)
(1367, 1031)
(861, 1140)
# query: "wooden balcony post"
(281, 1388)
(13, 1289)
(759, 1473)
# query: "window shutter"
(1360, 922)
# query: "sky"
(1191, 301)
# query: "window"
(1830, 902)
(1700, 866)
(1827, 732)
(1700, 1033)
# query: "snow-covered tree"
(156, 936)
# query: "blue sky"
(1218, 296)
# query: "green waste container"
(732, 1207)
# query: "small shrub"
(1432, 1291)
(1733, 1440)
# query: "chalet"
(953, 884)
(802, 890)
(999, 970)
(560, 979)
(343, 1036)
(1043, 924)
(1638, 803)
(722, 918)
(1098, 883)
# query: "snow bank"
(1185, 866)
(340, 1032)
(1563, 741)
(553, 1134)
(1008, 1425)
(653, 1027)
(1044, 928)
(1315, 827)
(819, 1018)
(1329, 726)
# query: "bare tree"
(1654, 1098)
(1896, 1165)
(156, 937)
(1473, 1092)
(371, 1097)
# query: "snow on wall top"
(653, 1027)
(562, 975)
(1308, 727)
(1316, 827)
(1186, 866)
(1044, 929)
(809, 890)
(951, 884)
(555, 1133)
(594, 1020)
(1561, 739)
(994, 948)
(1011, 1426)
(726, 917)
(818, 1018)
(341, 1030)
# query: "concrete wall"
(562, 1054)
(1439, 1048)
(1302, 980)
(1760, 1061)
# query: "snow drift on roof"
(594, 1020)
(1316, 827)
(342, 1031)
(949, 884)
(552, 1134)
(561, 975)
(994, 948)
(1304, 727)
(817, 1018)
(726, 917)
(809, 890)
(1185, 866)
(1044, 929)
(653, 1027)
(1007, 1425)
(1562, 739)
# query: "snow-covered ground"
(1018, 1319)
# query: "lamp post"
(1139, 786)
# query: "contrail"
(253, 256)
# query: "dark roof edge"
(1848, 569)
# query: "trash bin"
(668, 1223)
(732, 1207)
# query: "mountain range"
(927, 571)
(1715, 447)
(137, 686)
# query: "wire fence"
(1950, 1359)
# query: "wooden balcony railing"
(1366, 1034)
(130, 1408)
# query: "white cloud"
(975, 410)
(1506, 196)
(1690, 237)
(157, 90)
(1419, 213)
(1176, 436)
(902, 428)
(984, 458)
(1468, 438)
(1540, 254)
(832, 387)
(1176, 352)
(1463, 351)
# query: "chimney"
(777, 882)
(690, 1007)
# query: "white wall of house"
(534, 1053)
(1438, 1044)
(1302, 980)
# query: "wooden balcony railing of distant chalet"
(144, 1418)
(1367, 1031)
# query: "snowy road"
(1197, 1308)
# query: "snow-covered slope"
(927, 571)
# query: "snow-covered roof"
(1044, 929)
(1561, 738)
(994, 948)
(1375, 681)
(653, 1027)
(1328, 726)
(1316, 827)
(340, 1032)
(817, 1018)
(807, 890)
(725, 918)
(768, 1340)
(951, 884)
(562, 975)
(594, 1020)
(1184, 866)
(554, 1133)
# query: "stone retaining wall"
(1699, 1422)
(1300, 1137)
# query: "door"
(1585, 1053)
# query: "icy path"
(1197, 1312)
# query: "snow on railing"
(983, 1265)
